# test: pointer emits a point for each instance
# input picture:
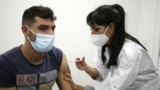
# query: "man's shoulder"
(54, 48)
(56, 52)
(11, 51)
(10, 55)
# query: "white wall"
(72, 32)
(149, 29)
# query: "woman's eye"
(96, 29)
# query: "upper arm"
(62, 84)
(11, 88)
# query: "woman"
(118, 52)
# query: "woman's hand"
(81, 64)
(74, 86)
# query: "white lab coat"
(135, 70)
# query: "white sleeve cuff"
(89, 87)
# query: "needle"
(71, 61)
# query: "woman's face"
(100, 29)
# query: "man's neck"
(31, 55)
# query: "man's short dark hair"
(39, 11)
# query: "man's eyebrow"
(43, 26)
(46, 26)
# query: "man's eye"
(43, 28)
(53, 28)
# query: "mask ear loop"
(31, 30)
(106, 30)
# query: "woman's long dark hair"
(104, 15)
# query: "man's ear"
(25, 30)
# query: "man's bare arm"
(62, 84)
(11, 88)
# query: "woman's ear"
(111, 29)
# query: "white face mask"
(43, 42)
(99, 39)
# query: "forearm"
(11, 88)
(91, 71)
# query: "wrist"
(91, 71)
(87, 68)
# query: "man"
(35, 65)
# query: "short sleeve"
(58, 55)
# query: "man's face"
(45, 26)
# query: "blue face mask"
(43, 42)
